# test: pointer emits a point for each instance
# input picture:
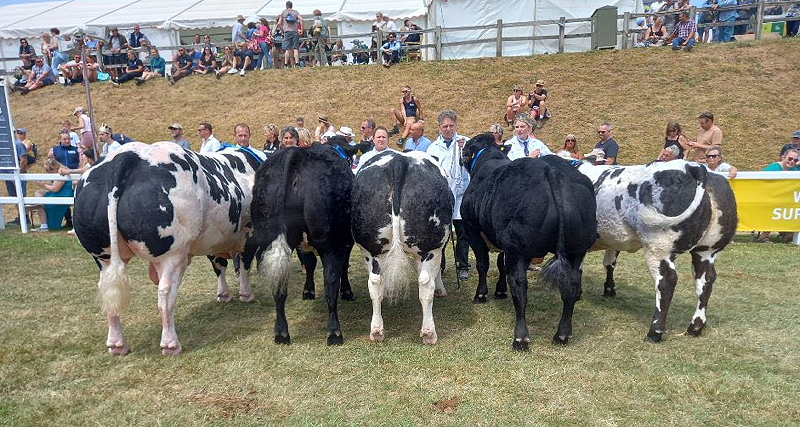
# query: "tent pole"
(82, 47)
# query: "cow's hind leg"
(376, 294)
(482, 265)
(114, 288)
(332, 272)
(170, 273)
(428, 270)
(273, 267)
(309, 261)
(500, 289)
(220, 266)
(245, 288)
(704, 277)
(610, 263)
(346, 292)
(516, 270)
(663, 271)
(565, 271)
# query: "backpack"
(33, 154)
(291, 18)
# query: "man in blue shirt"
(40, 75)
(65, 153)
(391, 51)
(724, 34)
(417, 141)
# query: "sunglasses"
(570, 140)
(791, 159)
(601, 132)
(363, 127)
(406, 91)
(712, 156)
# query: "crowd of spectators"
(252, 46)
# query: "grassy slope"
(749, 86)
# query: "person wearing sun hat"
(323, 127)
(514, 104)
(177, 136)
(794, 144)
(537, 101)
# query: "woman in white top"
(84, 128)
(323, 127)
(715, 163)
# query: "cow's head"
(350, 150)
(475, 147)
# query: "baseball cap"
(796, 134)
(21, 130)
(175, 126)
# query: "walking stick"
(455, 263)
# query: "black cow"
(302, 200)
(165, 205)
(402, 205)
(527, 208)
(665, 208)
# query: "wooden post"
(562, 23)
(759, 19)
(626, 29)
(498, 47)
(437, 35)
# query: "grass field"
(54, 369)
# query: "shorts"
(243, 53)
(291, 40)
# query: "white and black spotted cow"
(527, 208)
(302, 200)
(402, 205)
(165, 205)
(665, 208)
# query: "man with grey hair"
(446, 149)
(607, 145)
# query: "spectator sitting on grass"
(243, 59)
(207, 63)
(51, 216)
(656, 34)
(514, 104)
(570, 150)
(794, 144)
(182, 66)
(133, 69)
(157, 67)
(684, 33)
(391, 51)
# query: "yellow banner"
(767, 204)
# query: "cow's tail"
(273, 265)
(559, 271)
(651, 216)
(115, 284)
(394, 271)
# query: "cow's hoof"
(247, 297)
(609, 292)
(695, 328)
(500, 295)
(226, 297)
(309, 295)
(171, 351)
(119, 350)
(520, 344)
(560, 339)
(439, 293)
(479, 299)
(336, 338)
(428, 337)
(283, 338)
(376, 334)
(347, 296)
(653, 336)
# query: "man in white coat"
(446, 149)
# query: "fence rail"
(28, 201)
(433, 49)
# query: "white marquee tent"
(163, 20)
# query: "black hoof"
(500, 295)
(609, 292)
(520, 345)
(654, 336)
(479, 299)
(308, 295)
(695, 329)
(560, 340)
(348, 296)
(283, 339)
(336, 338)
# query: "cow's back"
(303, 193)
(167, 199)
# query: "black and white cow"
(402, 205)
(165, 205)
(527, 208)
(302, 200)
(665, 208)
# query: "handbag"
(101, 76)
(253, 45)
